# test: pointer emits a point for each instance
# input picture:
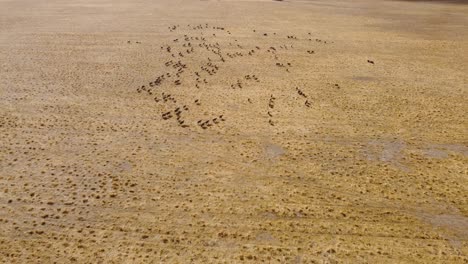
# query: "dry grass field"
(233, 131)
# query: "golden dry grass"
(343, 136)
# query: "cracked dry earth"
(233, 131)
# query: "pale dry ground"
(372, 170)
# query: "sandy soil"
(233, 131)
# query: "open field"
(233, 131)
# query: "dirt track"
(233, 131)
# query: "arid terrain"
(233, 131)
